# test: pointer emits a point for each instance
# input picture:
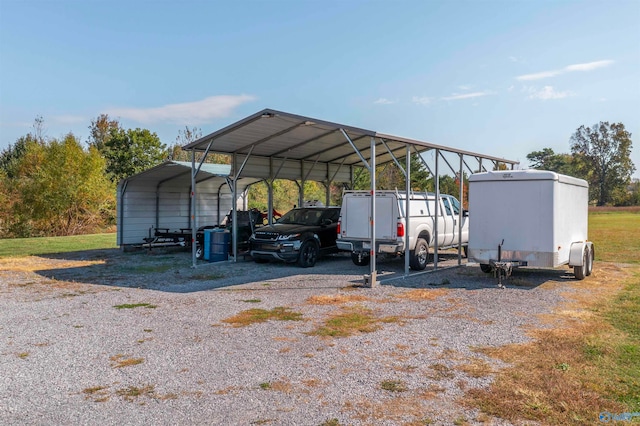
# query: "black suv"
(299, 236)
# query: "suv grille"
(271, 236)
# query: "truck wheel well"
(425, 236)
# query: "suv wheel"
(308, 254)
(419, 256)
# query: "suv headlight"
(287, 237)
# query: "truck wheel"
(590, 263)
(308, 254)
(581, 271)
(419, 256)
(359, 260)
(485, 268)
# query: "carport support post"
(437, 212)
(269, 184)
(372, 252)
(460, 213)
(234, 220)
(194, 231)
(407, 208)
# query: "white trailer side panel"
(538, 214)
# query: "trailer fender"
(576, 253)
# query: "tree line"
(601, 155)
(65, 186)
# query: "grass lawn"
(616, 235)
(19, 247)
(589, 363)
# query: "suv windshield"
(311, 216)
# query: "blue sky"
(502, 78)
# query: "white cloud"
(538, 76)
(421, 100)
(546, 93)
(464, 87)
(589, 66)
(188, 113)
(384, 101)
(457, 96)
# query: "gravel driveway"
(117, 338)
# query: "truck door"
(450, 222)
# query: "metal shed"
(161, 198)
(273, 144)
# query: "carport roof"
(180, 171)
(277, 134)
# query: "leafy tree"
(60, 189)
(11, 157)
(602, 156)
(549, 160)
(100, 131)
(187, 136)
(131, 151)
(389, 176)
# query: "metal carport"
(160, 197)
(274, 144)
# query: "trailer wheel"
(359, 260)
(419, 256)
(308, 254)
(590, 262)
(485, 268)
(581, 271)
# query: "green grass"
(624, 368)
(616, 236)
(135, 305)
(254, 316)
(19, 247)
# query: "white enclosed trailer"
(529, 218)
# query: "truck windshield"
(456, 205)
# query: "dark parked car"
(301, 235)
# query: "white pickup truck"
(354, 229)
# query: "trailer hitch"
(501, 268)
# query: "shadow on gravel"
(169, 270)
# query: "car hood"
(286, 228)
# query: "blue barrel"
(219, 250)
(207, 244)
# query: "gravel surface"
(70, 356)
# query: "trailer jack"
(503, 268)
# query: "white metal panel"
(536, 215)
(357, 206)
(571, 216)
